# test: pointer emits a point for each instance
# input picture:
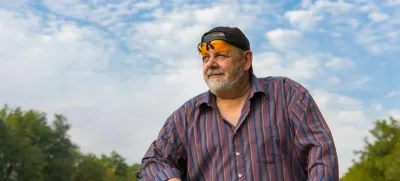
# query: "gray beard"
(220, 86)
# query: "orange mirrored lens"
(216, 46)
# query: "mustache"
(214, 71)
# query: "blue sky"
(117, 69)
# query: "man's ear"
(248, 58)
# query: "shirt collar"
(209, 97)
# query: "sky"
(117, 69)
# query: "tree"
(34, 150)
(132, 170)
(3, 147)
(118, 169)
(379, 160)
(31, 149)
(61, 153)
(90, 168)
(24, 159)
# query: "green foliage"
(379, 160)
(31, 149)
(90, 168)
(117, 168)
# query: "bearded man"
(243, 127)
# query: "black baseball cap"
(232, 35)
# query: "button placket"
(238, 152)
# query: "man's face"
(222, 69)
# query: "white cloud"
(334, 80)
(393, 2)
(381, 48)
(377, 107)
(102, 13)
(82, 72)
(346, 118)
(344, 16)
(284, 39)
(379, 39)
(186, 26)
(378, 16)
(339, 63)
(375, 13)
(306, 3)
(298, 66)
(395, 113)
(308, 18)
(353, 23)
(337, 35)
(362, 81)
(380, 34)
(393, 93)
(62, 72)
(303, 19)
(368, 8)
(39, 55)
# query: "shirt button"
(240, 175)
(237, 153)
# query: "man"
(244, 127)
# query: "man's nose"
(212, 62)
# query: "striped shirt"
(281, 136)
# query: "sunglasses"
(215, 45)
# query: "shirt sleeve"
(160, 162)
(313, 139)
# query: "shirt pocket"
(268, 147)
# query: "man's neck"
(237, 97)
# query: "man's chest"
(261, 137)
(261, 124)
(230, 116)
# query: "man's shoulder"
(197, 99)
(192, 103)
(286, 82)
(188, 108)
(277, 79)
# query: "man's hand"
(174, 179)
